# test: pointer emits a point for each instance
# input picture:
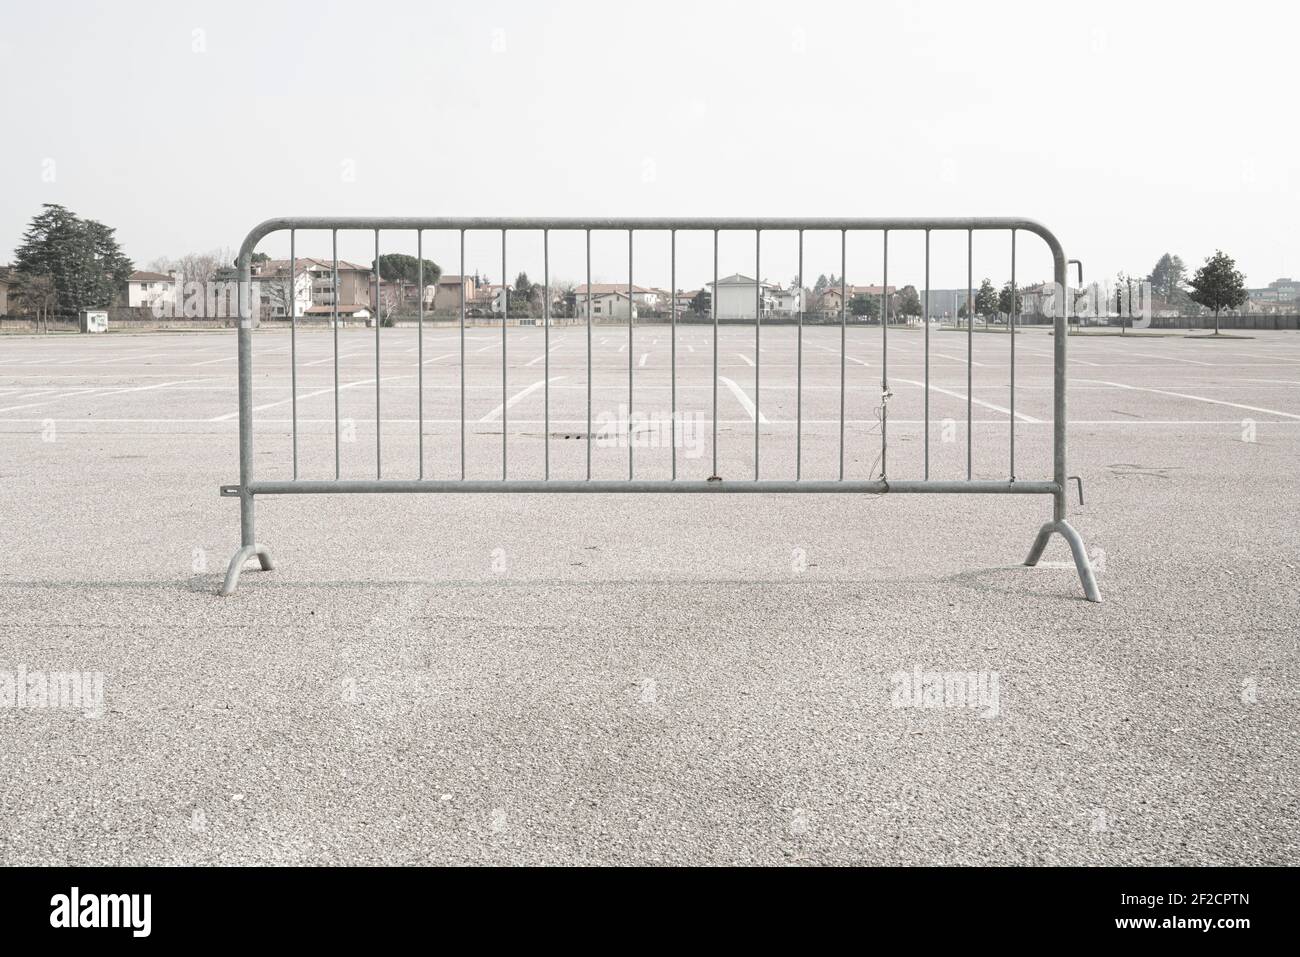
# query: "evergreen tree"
(1218, 285)
(81, 257)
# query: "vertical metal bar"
(379, 305)
(546, 347)
(758, 325)
(505, 316)
(334, 297)
(798, 397)
(419, 352)
(925, 316)
(631, 305)
(1059, 340)
(247, 531)
(672, 358)
(884, 359)
(462, 355)
(844, 339)
(1011, 324)
(588, 355)
(293, 342)
(713, 307)
(970, 342)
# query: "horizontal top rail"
(724, 223)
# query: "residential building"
(160, 292)
(686, 301)
(830, 303)
(607, 305)
(451, 291)
(1285, 290)
(790, 300)
(737, 297)
(313, 285)
(646, 300)
(347, 311)
(8, 290)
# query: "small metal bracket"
(1078, 480)
(230, 491)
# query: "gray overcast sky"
(1129, 128)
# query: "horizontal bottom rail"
(731, 486)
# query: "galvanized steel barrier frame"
(250, 487)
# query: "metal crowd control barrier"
(249, 487)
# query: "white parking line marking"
(330, 358)
(146, 388)
(306, 395)
(533, 362)
(1151, 355)
(131, 358)
(743, 399)
(53, 398)
(957, 395)
(644, 357)
(509, 403)
(1195, 398)
(961, 359)
(748, 361)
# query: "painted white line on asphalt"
(1195, 398)
(644, 357)
(509, 403)
(1151, 355)
(1256, 355)
(533, 362)
(53, 398)
(133, 358)
(330, 358)
(748, 361)
(957, 395)
(743, 399)
(1048, 355)
(208, 362)
(961, 359)
(305, 395)
(147, 388)
(445, 355)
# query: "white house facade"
(153, 290)
(738, 297)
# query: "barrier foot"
(1081, 561)
(237, 565)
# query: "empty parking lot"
(455, 678)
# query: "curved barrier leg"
(1081, 561)
(237, 563)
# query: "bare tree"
(201, 268)
(38, 295)
(277, 293)
(389, 298)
